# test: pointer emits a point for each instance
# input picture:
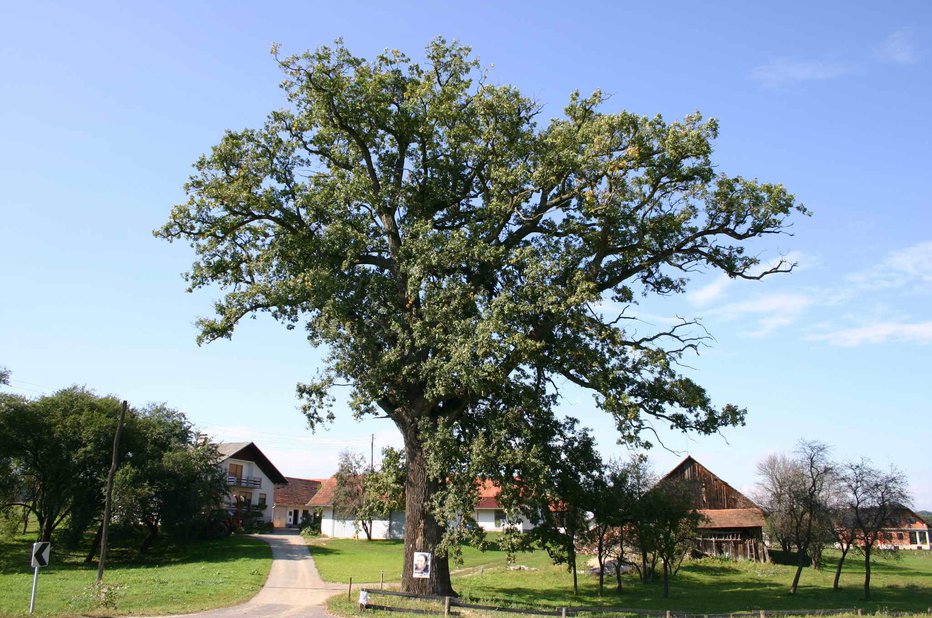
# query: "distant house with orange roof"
(291, 501)
(336, 527)
(489, 514)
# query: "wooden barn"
(732, 524)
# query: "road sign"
(40, 554)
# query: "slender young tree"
(453, 250)
(875, 498)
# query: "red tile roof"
(488, 495)
(731, 518)
(324, 495)
(297, 492)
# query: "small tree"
(626, 482)
(874, 499)
(350, 495)
(798, 494)
(669, 526)
(565, 511)
(779, 476)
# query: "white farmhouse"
(251, 477)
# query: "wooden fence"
(446, 606)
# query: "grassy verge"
(339, 559)
(705, 586)
(171, 579)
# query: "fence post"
(563, 612)
(668, 614)
(446, 606)
(349, 591)
(763, 614)
(859, 611)
(381, 578)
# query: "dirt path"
(293, 588)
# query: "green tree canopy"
(454, 251)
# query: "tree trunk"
(799, 570)
(841, 562)
(150, 538)
(45, 529)
(666, 579)
(575, 579)
(89, 558)
(422, 531)
(25, 519)
(601, 564)
(867, 573)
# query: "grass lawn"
(172, 579)
(704, 586)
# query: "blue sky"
(105, 106)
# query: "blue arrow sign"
(40, 554)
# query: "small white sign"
(421, 565)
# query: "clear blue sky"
(105, 106)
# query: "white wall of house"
(391, 528)
(259, 486)
(487, 521)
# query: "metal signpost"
(40, 558)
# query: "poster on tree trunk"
(421, 565)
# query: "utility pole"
(109, 493)
(372, 454)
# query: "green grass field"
(172, 579)
(704, 586)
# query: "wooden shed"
(732, 525)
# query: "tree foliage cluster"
(456, 252)
(814, 501)
(364, 493)
(55, 452)
(619, 513)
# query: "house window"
(262, 498)
(899, 536)
(913, 538)
(236, 470)
(500, 518)
(245, 497)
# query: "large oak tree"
(456, 252)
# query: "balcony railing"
(244, 481)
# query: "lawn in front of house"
(702, 586)
(365, 561)
(173, 578)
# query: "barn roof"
(731, 518)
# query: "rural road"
(294, 587)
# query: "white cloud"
(898, 48)
(770, 311)
(887, 332)
(903, 268)
(784, 71)
(710, 292)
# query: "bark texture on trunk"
(841, 562)
(867, 573)
(422, 531)
(89, 558)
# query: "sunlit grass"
(172, 579)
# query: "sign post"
(40, 558)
